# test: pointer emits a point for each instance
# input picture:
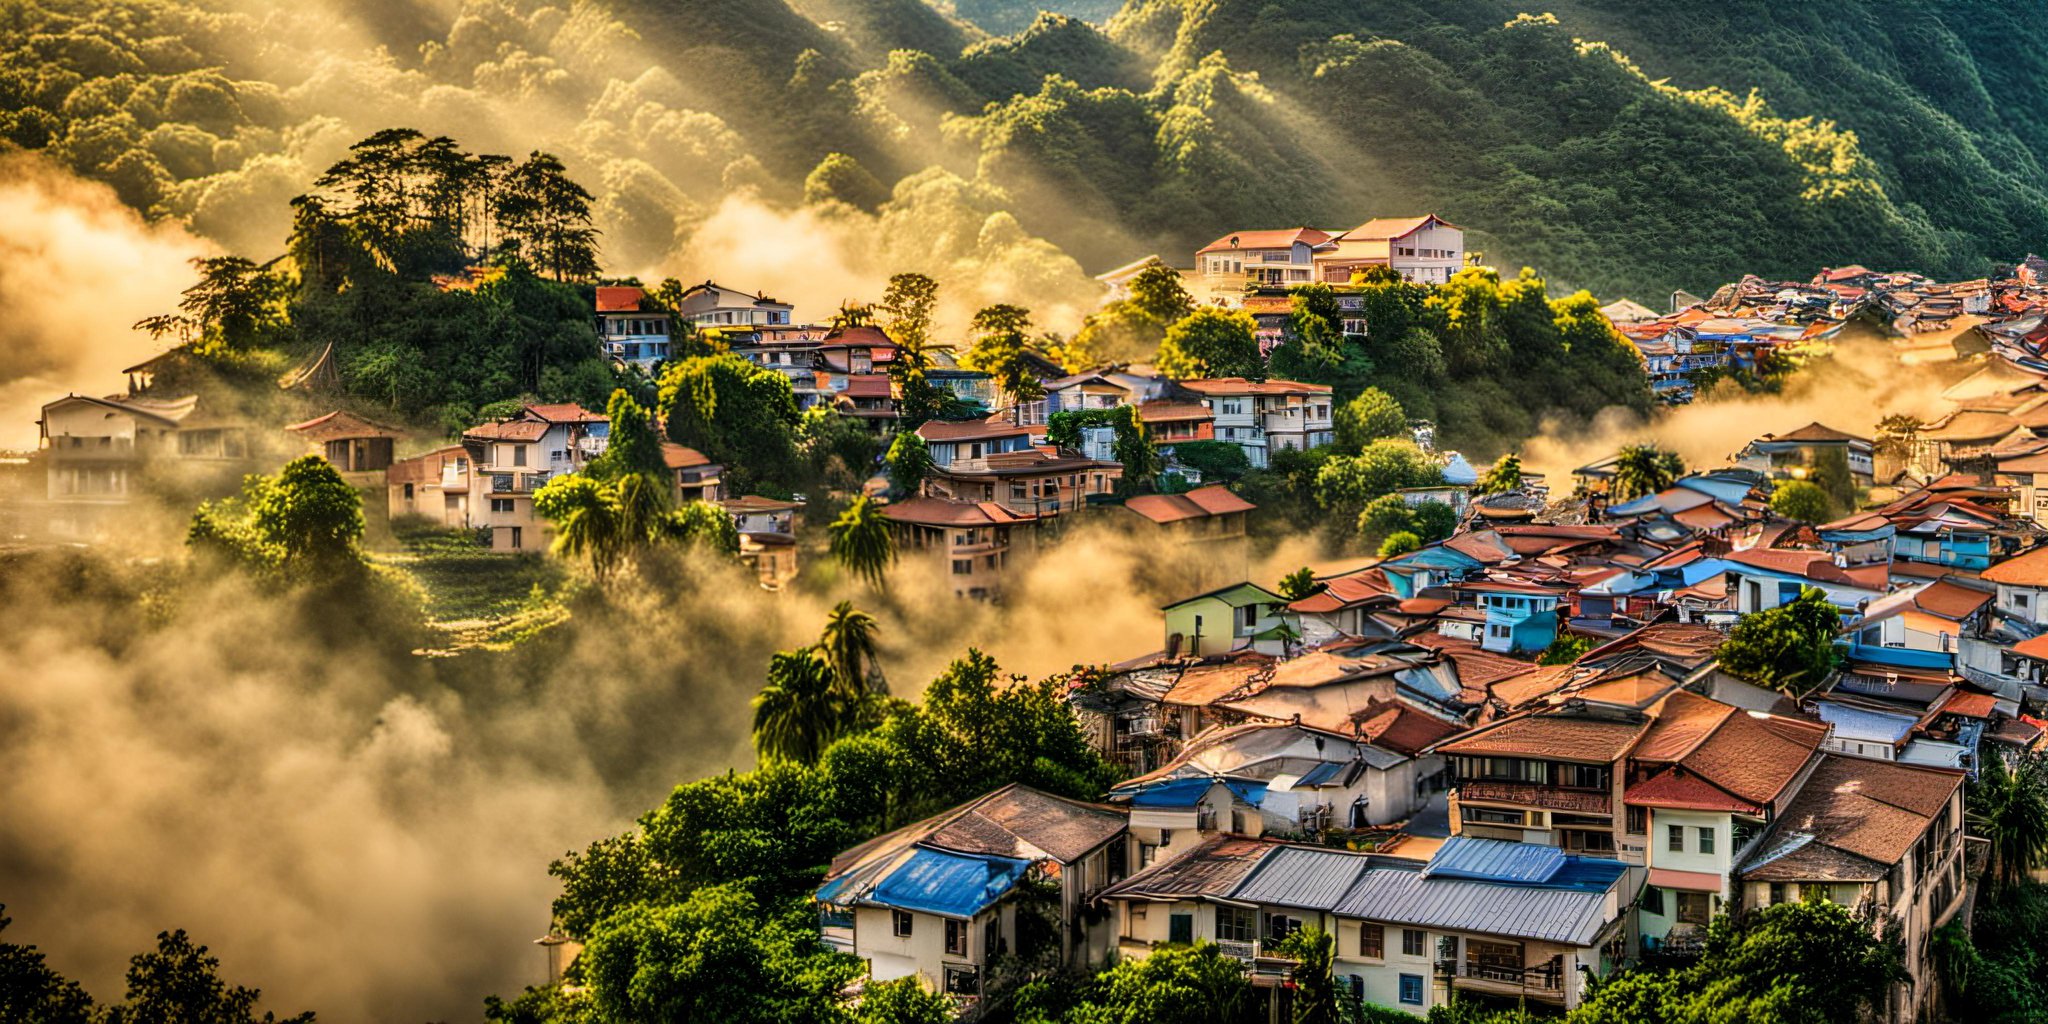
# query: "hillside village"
(1557, 740)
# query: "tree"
(2008, 807)
(1315, 986)
(1505, 476)
(1831, 474)
(310, 515)
(908, 303)
(841, 178)
(903, 1001)
(32, 993)
(1399, 544)
(801, 710)
(1299, 584)
(1564, 650)
(1186, 984)
(1217, 461)
(1790, 647)
(546, 218)
(1641, 469)
(1344, 485)
(848, 643)
(700, 523)
(180, 982)
(1001, 349)
(1158, 292)
(716, 956)
(861, 541)
(1800, 501)
(233, 300)
(1384, 516)
(589, 521)
(908, 463)
(1212, 342)
(741, 415)
(633, 445)
(1373, 414)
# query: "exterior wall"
(1220, 627)
(922, 954)
(1380, 977)
(1406, 255)
(2024, 603)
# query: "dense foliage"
(178, 981)
(1790, 647)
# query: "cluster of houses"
(1925, 321)
(1385, 759)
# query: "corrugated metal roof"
(952, 884)
(1295, 876)
(1321, 775)
(1859, 724)
(1404, 896)
(1189, 791)
(1493, 860)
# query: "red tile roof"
(1970, 705)
(995, 426)
(1951, 600)
(676, 456)
(1174, 412)
(1392, 725)
(1241, 386)
(2027, 570)
(567, 412)
(618, 299)
(1391, 227)
(1868, 809)
(1340, 592)
(1551, 736)
(1213, 500)
(1280, 238)
(941, 512)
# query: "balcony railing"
(1544, 980)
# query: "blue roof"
(1646, 503)
(1187, 792)
(1495, 860)
(1321, 774)
(951, 884)
(1726, 490)
(1435, 557)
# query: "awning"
(1691, 881)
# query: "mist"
(77, 269)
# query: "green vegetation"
(861, 541)
(1371, 415)
(1641, 469)
(179, 981)
(1212, 342)
(1800, 501)
(1564, 650)
(1790, 647)
(463, 579)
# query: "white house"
(714, 305)
(629, 333)
(514, 457)
(1280, 258)
(99, 452)
(1268, 415)
(1425, 249)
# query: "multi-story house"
(435, 485)
(1425, 249)
(767, 530)
(942, 899)
(1797, 452)
(1168, 423)
(1553, 776)
(514, 457)
(714, 305)
(1239, 615)
(1881, 838)
(358, 449)
(970, 441)
(1520, 617)
(1265, 416)
(971, 540)
(98, 454)
(1703, 784)
(1764, 578)
(1032, 482)
(631, 329)
(1280, 258)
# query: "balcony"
(1544, 983)
(1267, 970)
(517, 483)
(1573, 801)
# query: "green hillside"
(1623, 147)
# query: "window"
(1280, 926)
(1372, 941)
(1693, 907)
(1498, 632)
(1706, 840)
(408, 492)
(1491, 816)
(1676, 840)
(519, 455)
(1414, 942)
(1166, 837)
(1777, 893)
(1638, 820)
(501, 504)
(1411, 990)
(1582, 776)
(963, 566)
(1653, 900)
(899, 922)
(956, 937)
(518, 537)
(1248, 617)
(1235, 924)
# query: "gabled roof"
(1280, 238)
(676, 456)
(1300, 876)
(567, 412)
(1200, 503)
(1237, 595)
(1242, 386)
(1395, 726)
(342, 424)
(1554, 735)
(996, 426)
(942, 512)
(1209, 871)
(1815, 433)
(618, 299)
(1859, 807)
(1390, 228)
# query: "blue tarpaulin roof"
(1438, 557)
(1189, 792)
(951, 884)
(1494, 861)
(1723, 489)
(1321, 774)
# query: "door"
(1180, 928)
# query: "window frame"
(901, 923)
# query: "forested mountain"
(1623, 147)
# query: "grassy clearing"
(478, 596)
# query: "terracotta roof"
(1211, 869)
(2036, 648)
(1340, 592)
(1212, 500)
(1816, 433)
(1241, 386)
(676, 456)
(2027, 570)
(1392, 725)
(1813, 565)
(970, 430)
(618, 299)
(1280, 238)
(1391, 227)
(1477, 668)
(1865, 808)
(1201, 685)
(1013, 820)
(567, 412)
(508, 430)
(1682, 790)
(340, 424)
(1951, 600)
(1551, 735)
(1970, 705)
(867, 385)
(941, 512)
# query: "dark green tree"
(32, 993)
(1790, 647)
(861, 541)
(1800, 501)
(634, 444)
(741, 415)
(908, 463)
(181, 982)
(1212, 342)
(801, 710)
(1372, 415)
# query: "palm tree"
(589, 521)
(799, 712)
(2007, 807)
(848, 643)
(861, 541)
(1641, 469)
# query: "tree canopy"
(1790, 647)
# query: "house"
(767, 529)
(358, 448)
(1520, 617)
(1795, 453)
(1552, 775)
(1478, 917)
(942, 899)
(972, 539)
(969, 442)
(714, 305)
(102, 454)
(1425, 249)
(1922, 625)
(1168, 423)
(1038, 482)
(1268, 415)
(693, 476)
(434, 485)
(1228, 618)
(1704, 782)
(1282, 258)
(631, 329)
(1876, 837)
(514, 457)
(1207, 516)
(1764, 578)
